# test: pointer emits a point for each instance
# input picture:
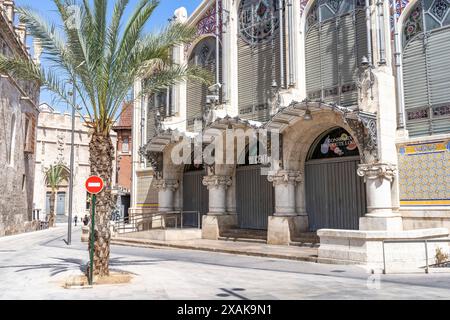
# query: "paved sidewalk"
(242, 248)
(36, 265)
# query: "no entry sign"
(94, 185)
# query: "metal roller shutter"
(438, 55)
(255, 77)
(329, 62)
(196, 91)
(312, 68)
(336, 51)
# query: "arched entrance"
(195, 194)
(254, 193)
(335, 194)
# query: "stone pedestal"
(285, 223)
(217, 219)
(380, 216)
(282, 229)
(213, 225)
(85, 234)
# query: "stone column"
(284, 183)
(166, 193)
(8, 6)
(217, 186)
(380, 216)
(217, 218)
(166, 198)
(231, 198)
(285, 222)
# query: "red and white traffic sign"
(94, 185)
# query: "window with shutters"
(158, 107)
(335, 43)
(202, 55)
(30, 135)
(426, 72)
(259, 52)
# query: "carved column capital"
(284, 177)
(216, 181)
(166, 184)
(377, 171)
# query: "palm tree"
(54, 176)
(102, 55)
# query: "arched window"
(335, 43)
(426, 71)
(202, 55)
(159, 106)
(259, 66)
(12, 141)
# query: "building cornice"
(199, 12)
(7, 28)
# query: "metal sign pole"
(91, 268)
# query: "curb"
(150, 244)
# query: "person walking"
(75, 220)
(86, 220)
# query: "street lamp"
(72, 143)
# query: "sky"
(157, 21)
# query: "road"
(36, 265)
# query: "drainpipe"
(381, 37)
(291, 43)
(143, 126)
(401, 119)
(369, 37)
(280, 11)
(217, 44)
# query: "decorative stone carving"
(217, 181)
(155, 159)
(284, 177)
(60, 146)
(365, 129)
(377, 171)
(166, 184)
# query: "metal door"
(195, 197)
(254, 198)
(335, 194)
(61, 203)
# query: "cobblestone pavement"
(36, 265)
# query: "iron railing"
(424, 241)
(155, 220)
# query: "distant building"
(124, 158)
(18, 118)
(53, 147)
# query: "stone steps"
(307, 239)
(244, 235)
(250, 240)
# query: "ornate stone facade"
(341, 139)
(18, 119)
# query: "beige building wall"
(53, 147)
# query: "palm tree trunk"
(101, 156)
(52, 218)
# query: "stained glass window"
(258, 20)
(436, 14)
(413, 24)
